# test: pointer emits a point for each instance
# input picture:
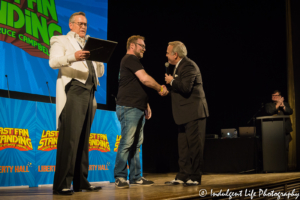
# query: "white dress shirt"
(175, 70)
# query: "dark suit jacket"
(271, 110)
(188, 97)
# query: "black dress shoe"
(191, 183)
(174, 182)
(90, 189)
(63, 192)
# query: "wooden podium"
(274, 152)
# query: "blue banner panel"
(17, 141)
(46, 145)
(26, 28)
(28, 143)
(103, 136)
(104, 142)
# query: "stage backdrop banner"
(17, 141)
(46, 145)
(104, 132)
(104, 142)
(28, 143)
(26, 28)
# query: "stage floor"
(159, 190)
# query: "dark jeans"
(132, 123)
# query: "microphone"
(7, 86)
(167, 68)
(49, 92)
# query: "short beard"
(138, 55)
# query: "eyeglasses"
(275, 95)
(81, 24)
(143, 46)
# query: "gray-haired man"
(190, 110)
(75, 106)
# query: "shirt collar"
(75, 35)
(178, 63)
(80, 40)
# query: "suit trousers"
(191, 138)
(72, 159)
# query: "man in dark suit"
(190, 110)
(279, 107)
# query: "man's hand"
(168, 78)
(280, 102)
(148, 112)
(82, 55)
(164, 92)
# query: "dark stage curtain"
(237, 155)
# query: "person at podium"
(279, 107)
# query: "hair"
(179, 48)
(133, 39)
(75, 14)
(275, 91)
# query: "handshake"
(164, 91)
